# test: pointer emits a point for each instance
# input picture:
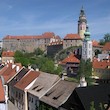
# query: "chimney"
(17, 68)
(83, 82)
(29, 67)
(7, 61)
(37, 69)
(13, 66)
(63, 76)
(11, 61)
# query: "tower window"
(89, 45)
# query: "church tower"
(82, 23)
(87, 46)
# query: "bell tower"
(87, 46)
(82, 23)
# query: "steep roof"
(2, 94)
(45, 35)
(43, 83)
(19, 75)
(8, 71)
(7, 54)
(103, 64)
(6, 68)
(72, 36)
(96, 44)
(106, 46)
(70, 59)
(27, 79)
(97, 94)
(59, 93)
(48, 34)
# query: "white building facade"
(87, 46)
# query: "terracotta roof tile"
(7, 54)
(45, 35)
(107, 46)
(5, 68)
(2, 94)
(101, 64)
(71, 59)
(48, 34)
(27, 79)
(72, 36)
(96, 44)
(8, 72)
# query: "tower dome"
(87, 34)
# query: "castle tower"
(87, 46)
(82, 23)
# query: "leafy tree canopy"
(105, 39)
(42, 62)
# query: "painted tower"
(87, 46)
(82, 23)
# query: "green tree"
(88, 68)
(38, 51)
(92, 106)
(105, 39)
(85, 68)
(18, 54)
(81, 68)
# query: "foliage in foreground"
(37, 60)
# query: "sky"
(34, 17)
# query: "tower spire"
(87, 34)
(82, 22)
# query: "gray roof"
(43, 83)
(57, 95)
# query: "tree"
(85, 68)
(81, 67)
(38, 51)
(18, 54)
(105, 39)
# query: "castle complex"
(30, 43)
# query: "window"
(89, 52)
(89, 45)
(32, 100)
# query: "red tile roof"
(71, 59)
(96, 44)
(8, 72)
(5, 68)
(45, 35)
(7, 54)
(72, 36)
(27, 79)
(2, 94)
(48, 34)
(107, 46)
(101, 64)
